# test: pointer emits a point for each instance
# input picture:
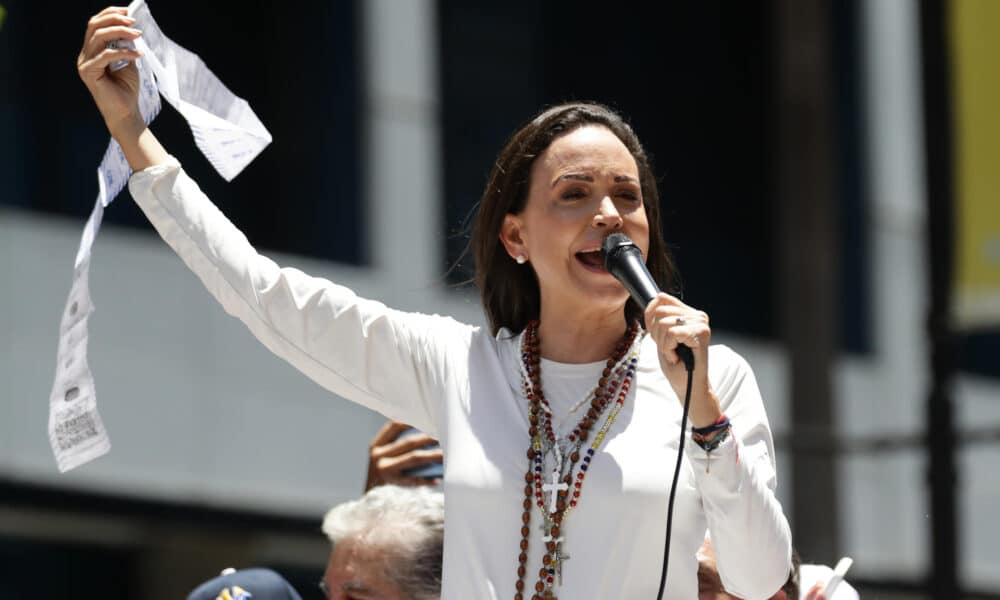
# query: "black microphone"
(623, 259)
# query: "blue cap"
(246, 584)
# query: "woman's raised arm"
(397, 363)
(116, 93)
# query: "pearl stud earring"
(521, 259)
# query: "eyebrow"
(589, 179)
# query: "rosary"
(556, 497)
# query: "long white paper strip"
(229, 134)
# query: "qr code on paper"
(75, 430)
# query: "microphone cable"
(687, 357)
(624, 261)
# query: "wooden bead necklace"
(615, 381)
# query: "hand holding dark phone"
(429, 470)
(402, 455)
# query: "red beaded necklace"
(614, 382)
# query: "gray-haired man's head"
(386, 545)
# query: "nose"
(607, 214)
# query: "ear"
(511, 236)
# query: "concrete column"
(402, 138)
(807, 260)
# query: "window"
(303, 194)
(695, 81)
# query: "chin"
(611, 295)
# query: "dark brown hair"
(510, 292)
(791, 587)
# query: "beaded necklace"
(553, 498)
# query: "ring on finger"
(680, 321)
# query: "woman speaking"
(560, 422)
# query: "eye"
(629, 195)
(574, 194)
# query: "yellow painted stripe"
(975, 49)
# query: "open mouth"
(593, 260)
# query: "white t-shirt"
(461, 384)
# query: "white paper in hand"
(76, 431)
(225, 128)
(229, 134)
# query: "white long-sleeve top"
(461, 384)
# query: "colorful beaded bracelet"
(715, 442)
(722, 423)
